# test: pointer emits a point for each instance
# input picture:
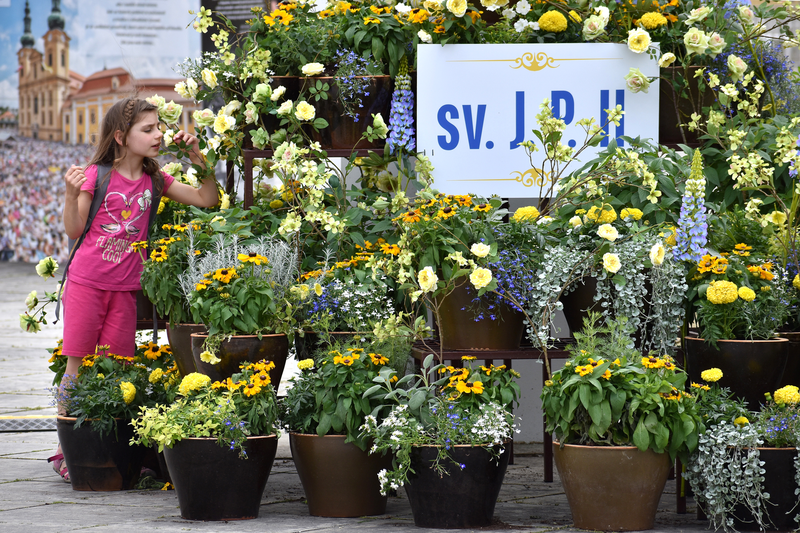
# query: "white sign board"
(476, 103)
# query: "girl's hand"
(73, 179)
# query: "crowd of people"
(32, 196)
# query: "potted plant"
(744, 472)
(219, 440)
(620, 418)
(449, 430)
(324, 410)
(242, 295)
(100, 404)
(738, 299)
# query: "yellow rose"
(305, 111)
(480, 249)
(480, 277)
(638, 40)
(575, 221)
(457, 7)
(611, 262)
(608, 232)
(427, 279)
(657, 254)
(209, 78)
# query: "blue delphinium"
(691, 235)
(401, 117)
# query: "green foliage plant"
(230, 411)
(608, 394)
(327, 397)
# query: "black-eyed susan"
(482, 207)
(470, 387)
(390, 249)
(225, 275)
(378, 359)
(254, 258)
(159, 255)
(446, 212)
(251, 389)
(652, 362)
(139, 245)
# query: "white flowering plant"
(35, 309)
(726, 471)
(243, 405)
(442, 406)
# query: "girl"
(100, 294)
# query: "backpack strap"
(103, 177)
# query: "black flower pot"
(779, 482)
(462, 498)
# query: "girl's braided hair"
(121, 117)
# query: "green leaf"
(641, 437)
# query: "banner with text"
(476, 103)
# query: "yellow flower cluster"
(787, 395)
(711, 375)
(458, 380)
(305, 364)
(651, 21)
(701, 387)
(604, 215)
(674, 394)
(525, 214)
(153, 351)
(632, 212)
(553, 22)
(128, 391)
(741, 421)
(155, 376)
(722, 292)
(762, 271)
(742, 249)
(193, 382)
(747, 294)
(710, 263)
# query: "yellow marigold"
(711, 375)
(747, 294)
(574, 16)
(156, 375)
(796, 281)
(601, 216)
(741, 421)
(787, 395)
(651, 21)
(526, 213)
(553, 22)
(128, 391)
(275, 204)
(305, 364)
(193, 382)
(722, 292)
(635, 214)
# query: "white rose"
(312, 69)
(480, 249)
(191, 178)
(402, 8)
(168, 137)
(604, 13)
(657, 254)
(424, 36)
(277, 93)
(285, 107)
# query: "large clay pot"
(749, 367)
(240, 349)
(213, 483)
(791, 374)
(180, 341)
(461, 498)
(343, 132)
(100, 462)
(612, 488)
(339, 479)
(780, 484)
(459, 331)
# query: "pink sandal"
(60, 466)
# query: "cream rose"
(611, 262)
(312, 69)
(666, 60)
(277, 93)
(638, 40)
(285, 107)
(608, 232)
(696, 41)
(457, 7)
(593, 27)
(209, 78)
(716, 44)
(575, 221)
(427, 279)
(170, 113)
(736, 67)
(657, 254)
(204, 117)
(480, 249)
(305, 111)
(480, 277)
(698, 14)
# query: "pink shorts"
(95, 317)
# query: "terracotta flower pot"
(339, 479)
(180, 340)
(100, 462)
(239, 349)
(459, 330)
(612, 488)
(213, 483)
(749, 367)
(464, 497)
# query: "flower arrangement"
(109, 387)
(609, 394)
(237, 289)
(738, 292)
(726, 471)
(34, 316)
(443, 406)
(230, 411)
(327, 397)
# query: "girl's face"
(144, 137)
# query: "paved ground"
(33, 497)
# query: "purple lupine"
(401, 117)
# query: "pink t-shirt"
(105, 259)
